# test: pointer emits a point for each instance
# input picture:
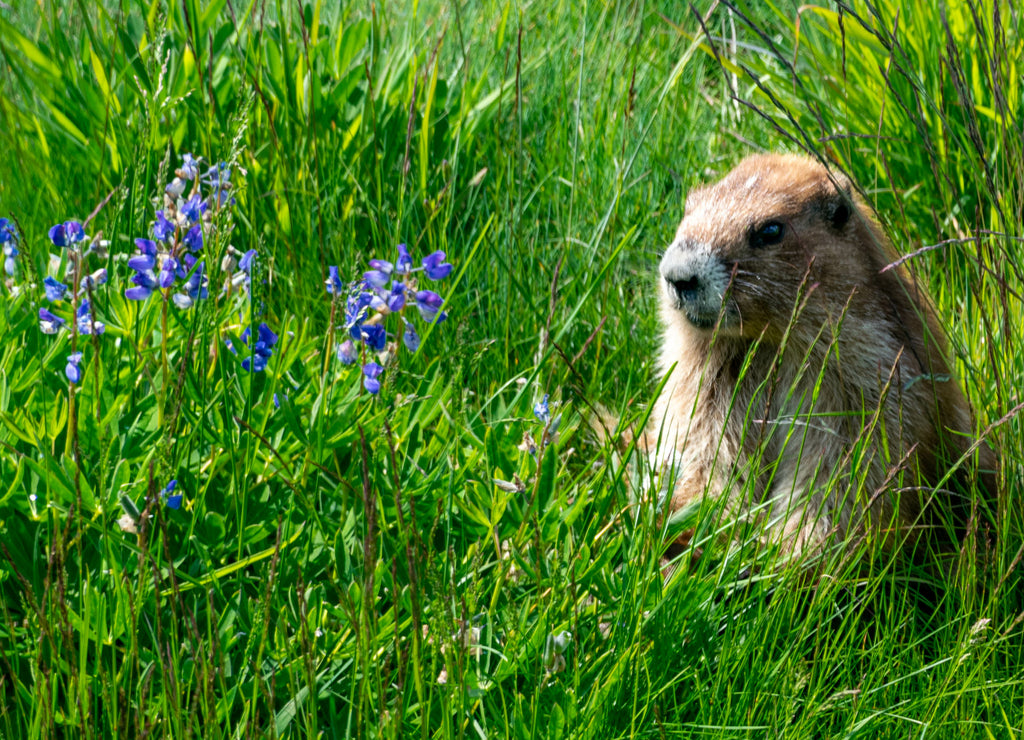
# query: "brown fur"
(805, 365)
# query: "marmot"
(808, 378)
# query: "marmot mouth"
(703, 321)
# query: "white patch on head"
(751, 182)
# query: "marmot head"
(751, 246)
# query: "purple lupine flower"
(380, 274)
(9, 240)
(94, 280)
(67, 234)
(185, 265)
(48, 322)
(10, 252)
(396, 299)
(542, 411)
(194, 288)
(147, 259)
(7, 231)
(189, 167)
(222, 197)
(85, 321)
(333, 282)
(171, 499)
(429, 304)
(54, 289)
(262, 350)
(176, 187)
(374, 336)
(245, 263)
(193, 208)
(355, 312)
(72, 370)
(372, 371)
(145, 283)
(217, 176)
(162, 228)
(403, 265)
(347, 352)
(168, 270)
(409, 337)
(194, 238)
(435, 267)
(144, 278)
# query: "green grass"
(346, 565)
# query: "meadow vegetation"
(448, 551)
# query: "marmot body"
(809, 380)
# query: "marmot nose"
(687, 289)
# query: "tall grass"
(405, 566)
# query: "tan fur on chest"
(807, 379)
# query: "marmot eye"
(770, 233)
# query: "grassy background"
(348, 566)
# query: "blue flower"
(147, 259)
(185, 265)
(380, 274)
(429, 303)
(355, 312)
(410, 338)
(55, 290)
(262, 350)
(245, 263)
(168, 271)
(370, 302)
(94, 280)
(374, 336)
(7, 231)
(347, 352)
(194, 288)
(194, 238)
(144, 278)
(72, 370)
(49, 323)
(67, 234)
(396, 299)
(193, 208)
(333, 282)
(189, 167)
(85, 321)
(435, 267)
(218, 176)
(541, 410)
(162, 228)
(372, 371)
(171, 499)
(222, 198)
(176, 187)
(10, 252)
(9, 240)
(145, 282)
(403, 265)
